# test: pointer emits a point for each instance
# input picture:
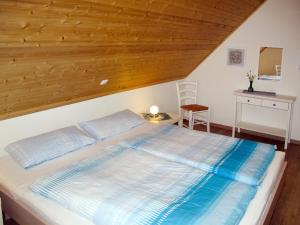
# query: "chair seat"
(194, 107)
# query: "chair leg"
(191, 121)
(208, 121)
(3, 218)
(180, 123)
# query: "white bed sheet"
(16, 181)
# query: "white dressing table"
(278, 102)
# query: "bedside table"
(174, 119)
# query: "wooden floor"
(287, 211)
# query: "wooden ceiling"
(56, 52)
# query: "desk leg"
(239, 112)
(234, 119)
(290, 122)
(287, 131)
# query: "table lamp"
(154, 110)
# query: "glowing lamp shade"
(154, 109)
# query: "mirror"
(270, 63)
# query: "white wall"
(138, 100)
(275, 24)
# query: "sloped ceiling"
(56, 52)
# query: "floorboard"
(287, 211)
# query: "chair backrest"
(278, 69)
(186, 92)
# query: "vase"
(250, 88)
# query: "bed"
(28, 208)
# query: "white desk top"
(282, 98)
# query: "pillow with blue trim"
(35, 150)
(112, 125)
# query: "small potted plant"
(251, 78)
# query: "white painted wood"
(1, 219)
(261, 128)
(272, 196)
(208, 120)
(191, 120)
(239, 114)
(180, 123)
(277, 102)
(234, 118)
(291, 122)
(187, 93)
(250, 101)
(277, 97)
(287, 128)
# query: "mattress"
(15, 181)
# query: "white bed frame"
(266, 215)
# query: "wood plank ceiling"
(56, 52)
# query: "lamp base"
(153, 115)
(157, 117)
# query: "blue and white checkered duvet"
(121, 186)
(242, 160)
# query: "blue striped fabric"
(124, 187)
(242, 160)
(35, 150)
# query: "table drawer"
(275, 105)
(251, 101)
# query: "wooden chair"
(278, 69)
(188, 107)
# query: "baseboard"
(293, 141)
(221, 126)
(296, 142)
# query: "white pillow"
(112, 125)
(38, 149)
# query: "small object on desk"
(266, 93)
(250, 88)
(251, 78)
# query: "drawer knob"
(248, 100)
(274, 104)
